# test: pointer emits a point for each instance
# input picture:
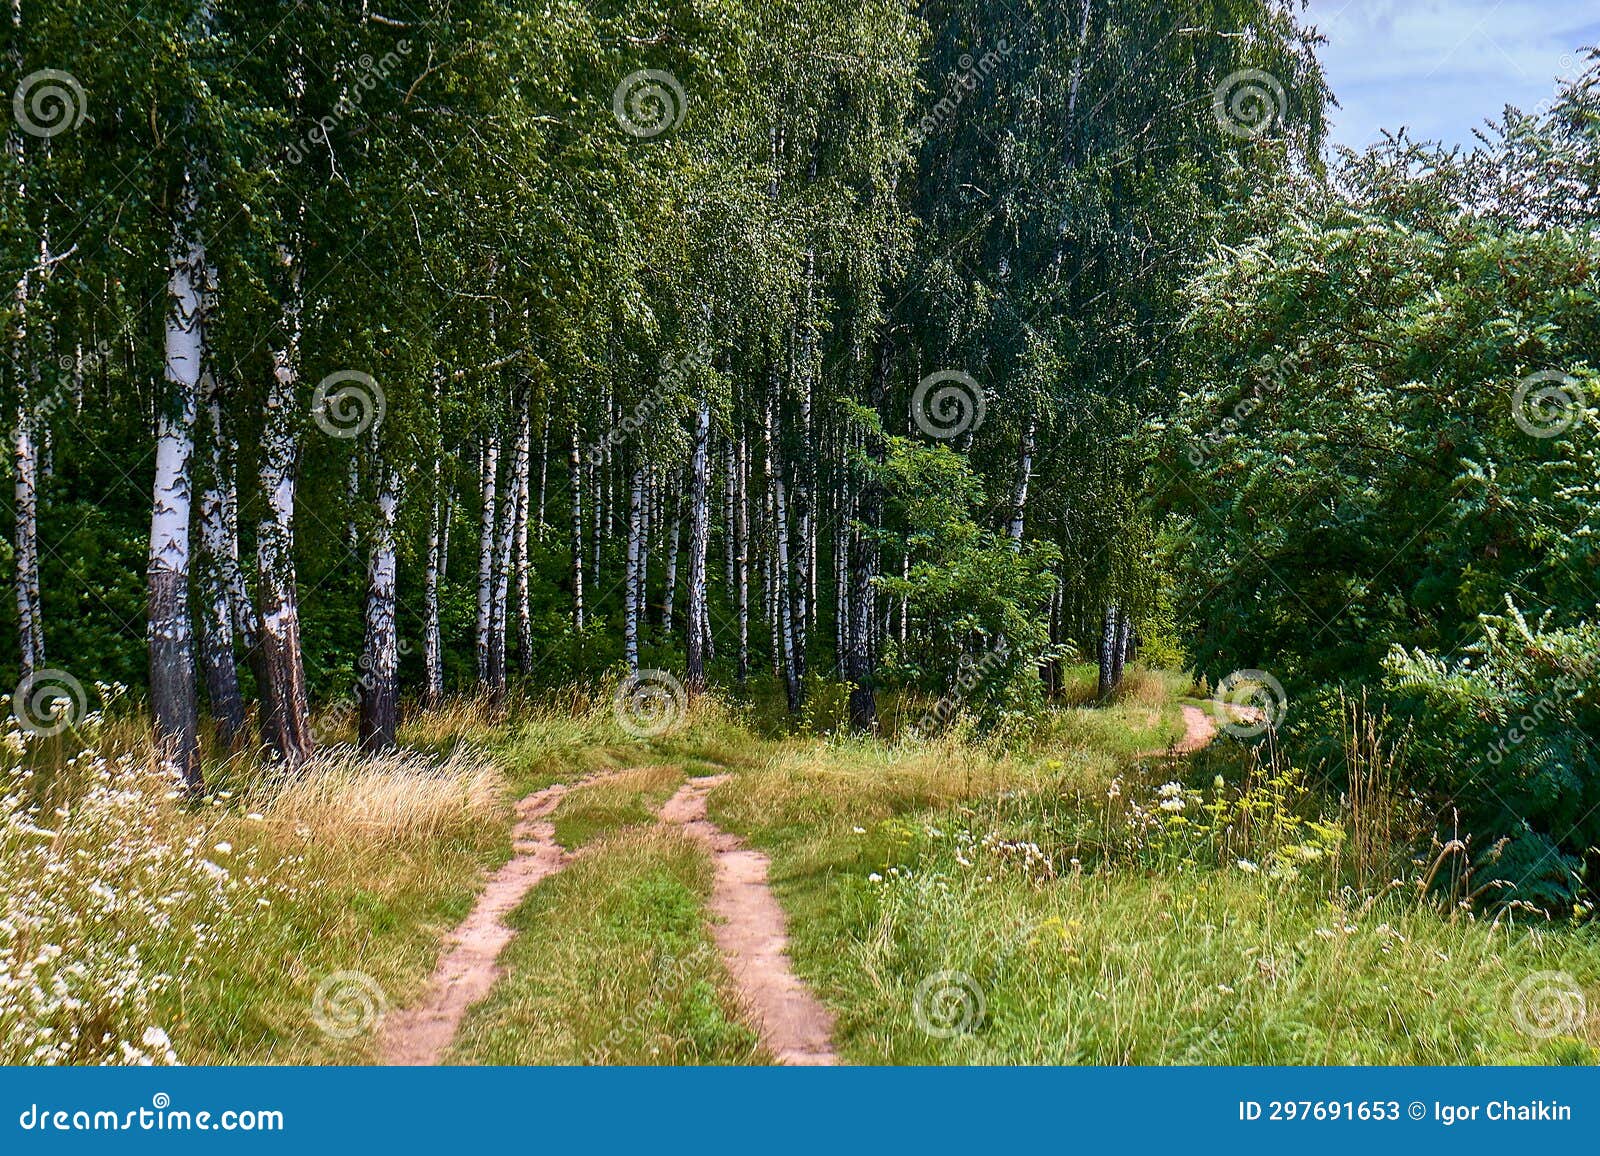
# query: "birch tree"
(380, 658)
(173, 705)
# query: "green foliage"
(1391, 433)
(984, 598)
(1273, 823)
(1352, 466)
(1505, 736)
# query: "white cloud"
(1443, 67)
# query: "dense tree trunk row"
(739, 510)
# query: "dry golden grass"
(343, 794)
(571, 732)
(1151, 689)
(457, 717)
(859, 780)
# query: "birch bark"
(699, 525)
(286, 722)
(173, 702)
(489, 468)
(380, 659)
(216, 592)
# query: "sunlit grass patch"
(1217, 968)
(1079, 906)
(142, 926)
(342, 794)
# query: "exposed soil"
(1199, 728)
(421, 1034)
(752, 934)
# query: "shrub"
(1505, 737)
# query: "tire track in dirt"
(753, 936)
(421, 1034)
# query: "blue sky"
(1441, 67)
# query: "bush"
(1505, 736)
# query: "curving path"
(420, 1035)
(1199, 728)
(753, 936)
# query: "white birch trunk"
(1108, 648)
(286, 723)
(782, 602)
(489, 468)
(30, 621)
(432, 637)
(699, 524)
(172, 677)
(500, 604)
(245, 623)
(741, 548)
(597, 505)
(544, 469)
(631, 581)
(524, 564)
(575, 476)
(730, 488)
(30, 625)
(216, 592)
(380, 658)
(1019, 492)
(674, 539)
(646, 529)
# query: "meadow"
(1076, 895)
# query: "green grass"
(613, 963)
(1122, 968)
(380, 911)
(899, 870)
(630, 798)
(214, 925)
(1014, 876)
